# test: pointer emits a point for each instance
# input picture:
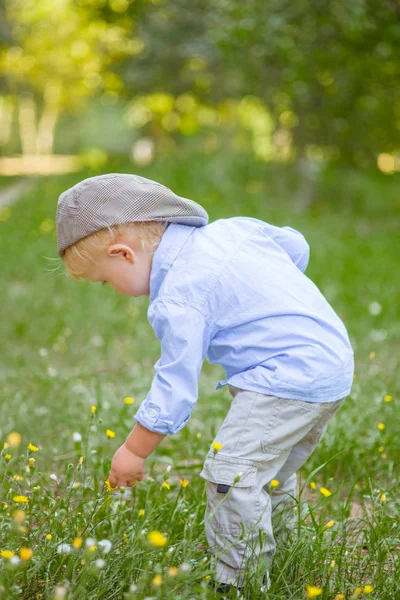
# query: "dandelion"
(25, 553)
(6, 554)
(93, 408)
(357, 591)
(157, 581)
(381, 449)
(60, 592)
(32, 448)
(32, 460)
(383, 497)
(14, 439)
(198, 435)
(313, 485)
(173, 571)
(166, 485)
(388, 398)
(217, 446)
(76, 437)
(19, 516)
(381, 426)
(141, 512)
(339, 597)
(21, 499)
(368, 589)
(313, 591)
(18, 478)
(333, 564)
(324, 492)
(330, 523)
(48, 536)
(129, 400)
(109, 486)
(77, 543)
(110, 433)
(105, 545)
(80, 460)
(90, 542)
(8, 456)
(63, 548)
(100, 563)
(184, 482)
(274, 483)
(93, 548)
(157, 539)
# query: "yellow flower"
(93, 548)
(368, 589)
(6, 553)
(157, 538)
(339, 597)
(313, 485)
(25, 553)
(381, 449)
(313, 591)
(141, 512)
(274, 483)
(32, 448)
(198, 435)
(333, 564)
(32, 460)
(172, 571)
(184, 482)
(48, 536)
(77, 542)
(324, 492)
(110, 433)
(93, 409)
(6, 445)
(388, 398)
(14, 438)
(217, 446)
(157, 581)
(381, 426)
(21, 499)
(80, 460)
(129, 400)
(8, 456)
(18, 477)
(109, 487)
(330, 523)
(5, 506)
(166, 485)
(357, 591)
(372, 354)
(384, 455)
(19, 516)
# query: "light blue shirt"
(235, 291)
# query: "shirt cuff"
(149, 417)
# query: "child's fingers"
(112, 479)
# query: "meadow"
(77, 360)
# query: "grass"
(68, 346)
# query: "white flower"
(185, 566)
(60, 592)
(375, 308)
(105, 545)
(63, 548)
(133, 587)
(54, 477)
(167, 470)
(52, 371)
(90, 542)
(43, 352)
(100, 563)
(76, 437)
(14, 560)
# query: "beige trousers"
(263, 438)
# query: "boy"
(235, 291)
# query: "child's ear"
(121, 250)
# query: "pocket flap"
(219, 469)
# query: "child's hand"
(126, 468)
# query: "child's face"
(125, 267)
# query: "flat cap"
(115, 198)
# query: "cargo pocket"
(289, 424)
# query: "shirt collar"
(172, 241)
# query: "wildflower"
(166, 485)
(25, 553)
(324, 492)
(141, 512)
(110, 433)
(32, 448)
(105, 545)
(80, 460)
(339, 597)
(77, 543)
(18, 478)
(184, 482)
(63, 549)
(388, 398)
(129, 400)
(19, 516)
(381, 426)
(54, 477)
(157, 539)
(93, 548)
(372, 354)
(357, 591)
(100, 563)
(32, 460)
(333, 564)
(90, 542)
(76, 437)
(21, 499)
(383, 497)
(313, 485)
(198, 435)
(48, 536)
(368, 589)
(330, 523)
(109, 486)
(14, 439)
(8, 456)
(5, 506)
(217, 446)
(274, 483)
(172, 571)
(381, 449)
(6, 553)
(384, 455)
(157, 581)
(93, 408)
(60, 592)
(313, 591)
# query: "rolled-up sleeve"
(185, 333)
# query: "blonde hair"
(78, 257)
